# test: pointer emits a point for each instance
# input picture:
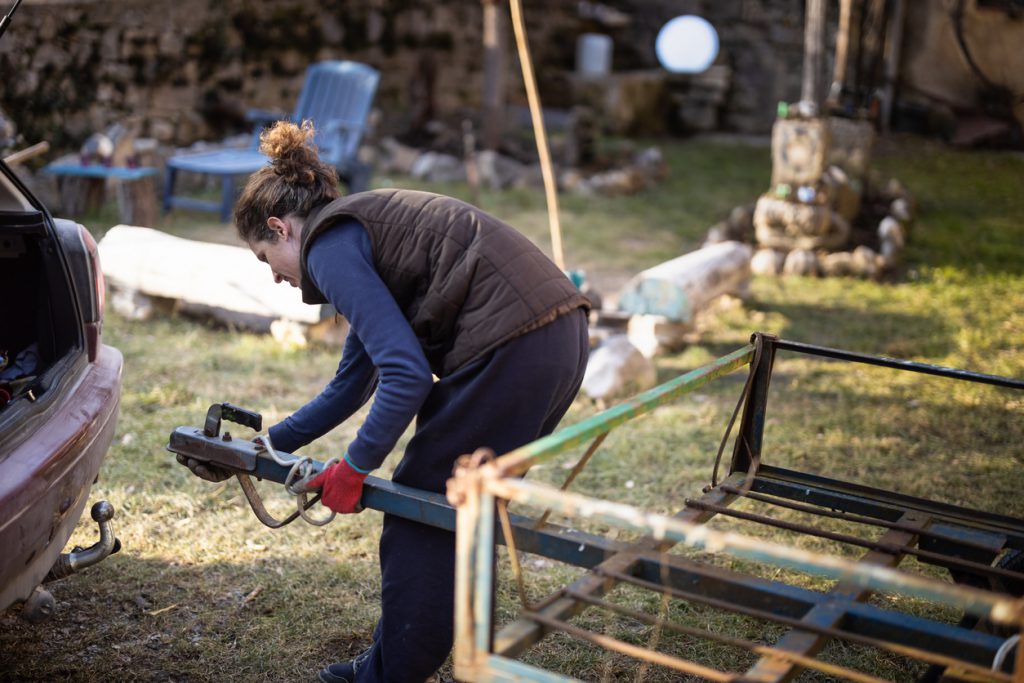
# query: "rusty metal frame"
(966, 542)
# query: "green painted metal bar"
(999, 608)
(518, 461)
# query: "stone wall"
(187, 69)
(935, 68)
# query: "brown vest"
(466, 281)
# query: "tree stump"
(136, 200)
(79, 195)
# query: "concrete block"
(656, 334)
(617, 369)
(799, 151)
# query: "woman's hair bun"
(292, 151)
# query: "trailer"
(952, 575)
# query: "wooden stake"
(27, 153)
(538, 126)
(814, 52)
(893, 50)
(494, 75)
(842, 51)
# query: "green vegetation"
(202, 591)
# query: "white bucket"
(593, 54)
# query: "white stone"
(438, 168)
(719, 232)
(800, 262)
(616, 369)
(289, 333)
(836, 264)
(131, 304)
(656, 334)
(397, 158)
(865, 261)
(767, 262)
(498, 171)
(900, 210)
(741, 220)
(890, 230)
(891, 241)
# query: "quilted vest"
(466, 281)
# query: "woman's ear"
(280, 227)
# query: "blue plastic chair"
(336, 96)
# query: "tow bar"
(252, 458)
(258, 458)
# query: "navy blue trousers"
(512, 396)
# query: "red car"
(59, 396)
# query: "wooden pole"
(495, 60)
(842, 52)
(550, 189)
(814, 53)
(27, 153)
(893, 50)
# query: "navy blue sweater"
(381, 352)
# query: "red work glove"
(342, 487)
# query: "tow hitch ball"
(80, 558)
(39, 606)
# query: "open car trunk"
(40, 326)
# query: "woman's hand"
(342, 487)
(204, 470)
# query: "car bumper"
(45, 480)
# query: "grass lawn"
(202, 591)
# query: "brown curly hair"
(295, 182)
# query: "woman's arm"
(347, 392)
(340, 262)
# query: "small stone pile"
(576, 168)
(825, 214)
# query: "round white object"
(687, 44)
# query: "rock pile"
(825, 214)
(498, 171)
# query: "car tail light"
(93, 312)
(86, 278)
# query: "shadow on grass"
(130, 618)
(874, 332)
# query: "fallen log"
(681, 288)
(219, 280)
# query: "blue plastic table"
(100, 171)
(136, 201)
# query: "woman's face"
(282, 254)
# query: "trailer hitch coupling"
(249, 458)
(80, 558)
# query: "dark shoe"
(341, 672)
(344, 672)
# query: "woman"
(432, 288)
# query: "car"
(60, 390)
